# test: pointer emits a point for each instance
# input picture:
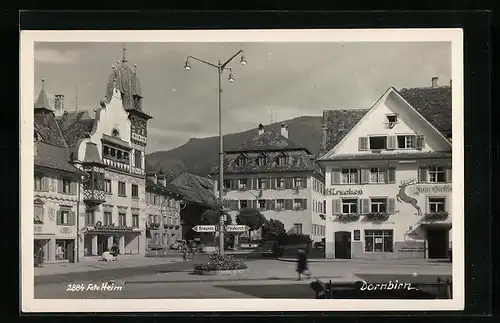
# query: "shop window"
(297, 228)
(379, 240)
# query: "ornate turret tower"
(125, 80)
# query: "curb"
(233, 280)
(369, 261)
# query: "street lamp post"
(220, 69)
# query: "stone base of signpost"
(220, 272)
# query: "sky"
(281, 80)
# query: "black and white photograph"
(322, 169)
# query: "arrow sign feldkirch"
(237, 228)
(204, 228)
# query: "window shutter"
(422, 174)
(363, 143)
(420, 142)
(273, 183)
(288, 183)
(335, 176)
(391, 142)
(449, 175)
(256, 184)
(365, 206)
(74, 188)
(59, 185)
(304, 182)
(365, 176)
(72, 218)
(391, 204)
(304, 204)
(336, 206)
(58, 216)
(288, 204)
(391, 176)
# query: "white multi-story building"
(388, 176)
(55, 202)
(111, 148)
(280, 178)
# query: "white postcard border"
(30, 304)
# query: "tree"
(273, 229)
(212, 217)
(251, 218)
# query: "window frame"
(349, 173)
(438, 200)
(436, 170)
(122, 193)
(373, 234)
(136, 195)
(384, 146)
(378, 172)
(350, 204)
(381, 202)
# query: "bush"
(216, 261)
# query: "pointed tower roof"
(43, 101)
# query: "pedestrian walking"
(302, 263)
(184, 250)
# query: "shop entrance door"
(342, 245)
(437, 243)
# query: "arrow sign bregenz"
(204, 228)
(236, 228)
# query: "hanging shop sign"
(342, 192)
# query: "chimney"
(261, 129)
(284, 130)
(435, 80)
(162, 180)
(58, 105)
(152, 176)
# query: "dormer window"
(115, 133)
(241, 160)
(262, 160)
(283, 159)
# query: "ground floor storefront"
(164, 237)
(54, 249)
(94, 244)
(376, 241)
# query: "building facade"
(111, 148)
(56, 180)
(388, 176)
(163, 205)
(280, 178)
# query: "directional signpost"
(237, 228)
(204, 228)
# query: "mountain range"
(199, 155)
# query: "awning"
(436, 225)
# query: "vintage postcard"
(215, 170)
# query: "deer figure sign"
(403, 197)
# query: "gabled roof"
(337, 124)
(46, 125)
(54, 157)
(268, 141)
(168, 189)
(399, 156)
(298, 161)
(195, 189)
(434, 104)
(76, 125)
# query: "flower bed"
(217, 264)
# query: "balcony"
(94, 196)
(116, 164)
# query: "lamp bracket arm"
(229, 60)
(200, 60)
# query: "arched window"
(115, 133)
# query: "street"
(265, 278)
